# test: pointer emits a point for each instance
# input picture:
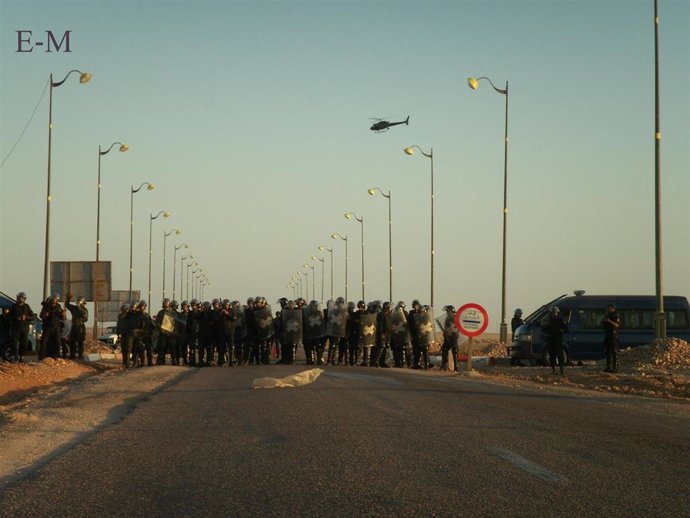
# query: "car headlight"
(525, 338)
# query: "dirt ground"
(21, 380)
(661, 369)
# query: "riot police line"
(59, 338)
(229, 333)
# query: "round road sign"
(471, 319)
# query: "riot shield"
(264, 323)
(336, 320)
(291, 320)
(423, 328)
(314, 322)
(400, 333)
(241, 329)
(167, 326)
(367, 328)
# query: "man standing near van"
(611, 324)
(554, 326)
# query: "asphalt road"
(367, 442)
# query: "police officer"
(420, 350)
(515, 323)
(611, 325)
(554, 326)
(147, 335)
(400, 337)
(250, 349)
(52, 316)
(336, 317)
(193, 331)
(384, 330)
(228, 322)
(80, 315)
(207, 331)
(20, 319)
(353, 330)
(450, 339)
(120, 326)
(133, 332)
(165, 324)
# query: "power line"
(27, 125)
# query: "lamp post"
(194, 272)
(474, 84)
(430, 156)
(314, 258)
(330, 250)
(133, 191)
(300, 275)
(183, 245)
(151, 218)
(344, 238)
(123, 148)
(372, 192)
(313, 280)
(84, 77)
(659, 318)
(351, 215)
(177, 232)
(193, 263)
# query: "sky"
(252, 120)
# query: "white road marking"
(527, 465)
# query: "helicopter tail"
(407, 121)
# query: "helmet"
(174, 304)
(340, 300)
(215, 301)
(351, 305)
(361, 304)
(142, 304)
(55, 297)
(21, 295)
(250, 301)
(386, 305)
(313, 303)
(185, 303)
(195, 302)
(401, 304)
(206, 304)
(226, 302)
(450, 308)
(415, 303)
(166, 301)
(81, 300)
(124, 307)
(518, 312)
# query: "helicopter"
(383, 125)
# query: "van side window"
(590, 318)
(677, 319)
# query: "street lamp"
(123, 148)
(659, 318)
(314, 258)
(351, 215)
(84, 77)
(183, 245)
(194, 272)
(177, 232)
(330, 250)
(133, 191)
(372, 192)
(194, 263)
(430, 156)
(344, 238)
(474, 84)
(152, 217)
(299, 276)
(313, 283)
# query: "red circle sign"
(471, 319)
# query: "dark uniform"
(19, 318)
(228, 322)
(450, 340)
(207, 333)
(78, 332)
(611, 325)
(52, 316)
(165, 324)
(384, 331)
(193, 332)
(147, 335)
(554, 326)
(400, 337)
(353, 329)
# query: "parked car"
(584, 314)
(110, 337)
